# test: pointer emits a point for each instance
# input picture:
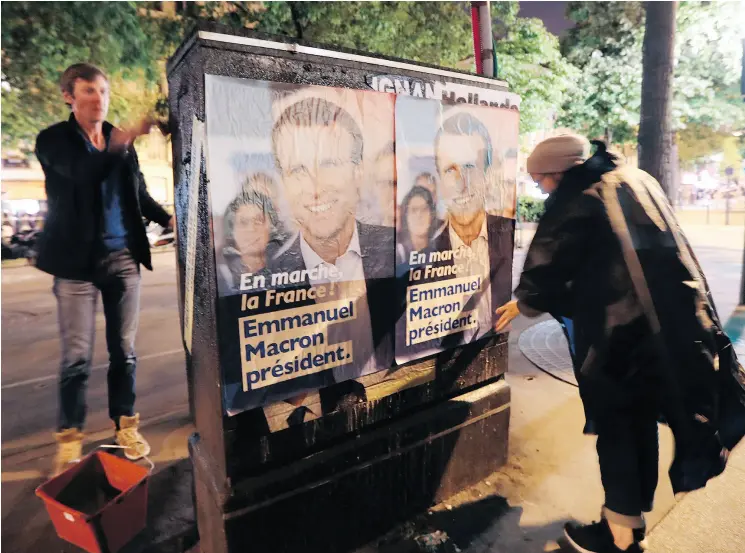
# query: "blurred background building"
(24, 198)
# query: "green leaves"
(433, 32)
(530, 209)
(589, 81)
(130, 42)
(41, 39)
(531, 62)
(606, 45)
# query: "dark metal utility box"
(345, 231)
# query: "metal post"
(518, 229)
(476, 27)
(483, 49)
(487, 46)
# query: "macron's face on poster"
(461, 162)
(320, 177)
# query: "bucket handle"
(111, 446)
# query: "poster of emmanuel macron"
(302, 189)
(456, 168)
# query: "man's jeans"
(117, 277)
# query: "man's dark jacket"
(609, 255)
(71, 240)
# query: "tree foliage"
(699, 142)
(431, 32)
(530, 61)
(40, 39)
(131, 42)
(605, 44)
(594, 86)
(439, 33)
(128, 41)
(709, 54)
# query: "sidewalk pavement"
(711, 520)
(551, 477)
(171, 528)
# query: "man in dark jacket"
(609, 256)
(94, 241)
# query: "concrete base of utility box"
(353, 491)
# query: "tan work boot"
(129, 437)
(69, 449)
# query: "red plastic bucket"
(98, 504)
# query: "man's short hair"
(318, 112)
(86, 71)
(464, 124)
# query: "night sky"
(552, 14)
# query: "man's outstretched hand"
(121, 139)
(506, 313)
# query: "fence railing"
(713, 212)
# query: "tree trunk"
(608, 135)
(295, 13)
(655, 144)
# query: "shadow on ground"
(467, 527)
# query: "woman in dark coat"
(610, 257)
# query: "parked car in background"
(21, 244)
(158, 236)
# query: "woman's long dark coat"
(610, 255)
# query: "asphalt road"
(31, 352)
